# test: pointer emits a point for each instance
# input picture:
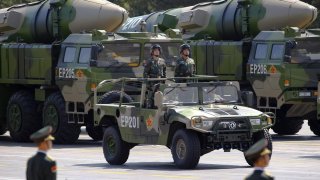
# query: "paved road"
(295, 157)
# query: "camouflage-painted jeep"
(192, 118)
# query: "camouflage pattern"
(154, 68)
(185, 68)
(227, 19)
(42, 21)
(222, 125)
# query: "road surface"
(294, 157)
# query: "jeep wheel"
(54, 114)
(314, 126)
(259, 135)
(115, 150)
(185, 149)
(22, 119)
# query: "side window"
(69, 55)
(116, 55)
(261, 51)
(277, 51)
(85, 54)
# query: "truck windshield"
(220, 94)
(117, 55)
(180, 95)
(305, 50)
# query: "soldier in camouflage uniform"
(41, 166)
(155, 67)
(259, 154)
(185, 66)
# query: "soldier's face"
(186, 53)
(49, 144)
(156, 52)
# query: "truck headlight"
(255, 122)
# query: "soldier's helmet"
(155, 46)
(183, 47)
(43, 134)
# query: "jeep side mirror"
(93, 63)
(158, 99)
(248, 98)
(287, 58)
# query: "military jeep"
(191, 118)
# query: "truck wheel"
(185, 149)
(22, 118)
(259, 135)
(115, 150)
(54, 114)
(3, 126)
(288, 126)
(96, 133)
(314, 126)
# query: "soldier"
(155, 67)
(185, 66)
(41, 166)
(259, 154)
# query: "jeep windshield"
(220, 94)
(181, 95)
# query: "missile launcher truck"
(238, 40)
(50, 81)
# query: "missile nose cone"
(112, 16)
(97, 14)
(303, 14)
(281, 13)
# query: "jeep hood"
(211, 111)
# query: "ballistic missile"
(49, 20)
(227, 19)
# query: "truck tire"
(314, 126)
(115, 150)
(3, 126)
(287, 126)
(96, 133)
(185, 149)
(22, 118)
(54, 114)
(259, 135)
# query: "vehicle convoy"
(191, 118)
(232, 39)
(50, 81)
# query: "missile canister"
(43, 21)
(227, 19)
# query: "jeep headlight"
(200, 122)
(255, 122)
(196, 121)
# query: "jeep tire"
(185, 149)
